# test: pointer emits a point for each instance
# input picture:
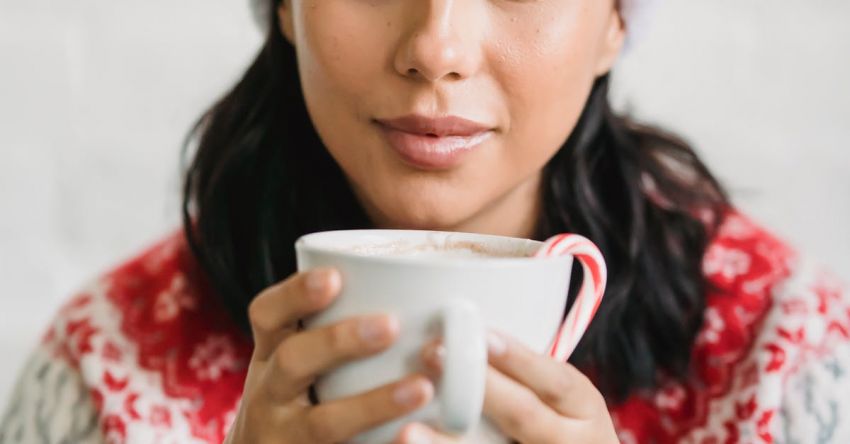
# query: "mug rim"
(307, 243)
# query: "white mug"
(440, 295)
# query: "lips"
(434, 143)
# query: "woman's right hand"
(275, 406)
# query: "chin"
(418, 215)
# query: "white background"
(96, 96)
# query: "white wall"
(761, 89)
(95, 97)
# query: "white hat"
(636, 14)
(260, 9)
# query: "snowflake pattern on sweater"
(145, 355)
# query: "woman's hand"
(531, 398)
(275, 406)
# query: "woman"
(480, 116)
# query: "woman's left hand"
(531, 398)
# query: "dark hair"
(260, 178)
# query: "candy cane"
(589, 295)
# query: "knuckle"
(554, 392)
(256, 414)
(288, 363)
(556, 437)
(254, 410)
(519, 419)
(318, 427)
(257, 318)
(598, 406)
(338, 338)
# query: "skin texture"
(530, 397)
(523, 67)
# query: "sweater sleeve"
(139, 354)
(50, 404)
(815, 402)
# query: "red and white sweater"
(145, 355)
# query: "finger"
(342, 419)
(275, 311)
(517, 411)
(558, 384)
(432, 355)
(304, 355)
(547, 378)
(422, 434)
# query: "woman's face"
(385, 82)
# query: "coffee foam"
(433, 249)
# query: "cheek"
(534, 79)
(340, 54)
(545, 76)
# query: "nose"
(441, 41)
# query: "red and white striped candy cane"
(589, 296)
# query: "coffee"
(448, 250)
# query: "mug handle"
(589, 295)
(461, 388)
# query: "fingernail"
(412, 393)
(376, 330)
(435, 354)
(416, 434)
(496, 345)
